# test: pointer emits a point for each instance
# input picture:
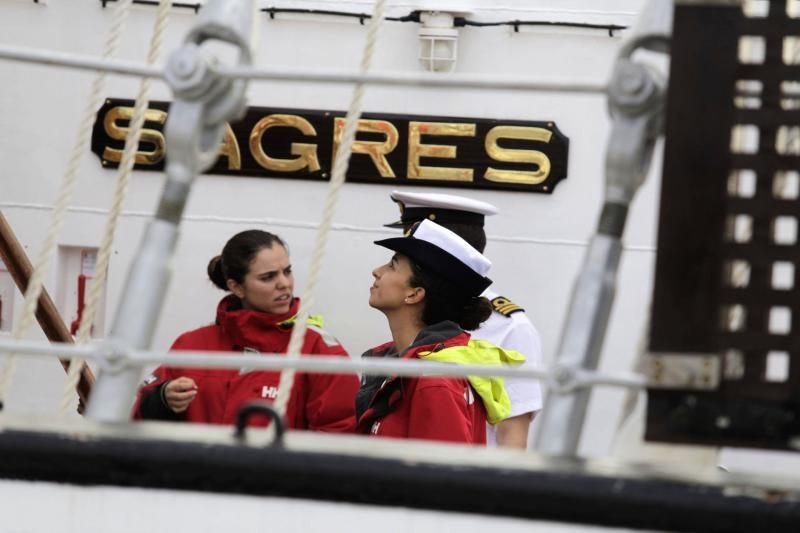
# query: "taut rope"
(340, 165)
(97, 281)
(44, 259)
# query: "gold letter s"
(148, 135)
(536, 157)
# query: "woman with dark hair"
(430, 293)
(257, 317)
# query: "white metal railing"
(106, 354)
(402, 79)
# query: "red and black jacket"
(431, 408)
(319, 402)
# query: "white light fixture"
(438, 41)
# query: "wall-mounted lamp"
(438, 41)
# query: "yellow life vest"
(491, 389)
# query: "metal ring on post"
(251, 408)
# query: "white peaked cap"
(440, 208)
(441, 251)
(454, 245)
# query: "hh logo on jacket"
(269, 391)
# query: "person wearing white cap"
(430, 293)
(508, 326)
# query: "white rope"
(42, 264)
(340, 166)
(97, 282)
(391, 79)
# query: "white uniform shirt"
(514, 332)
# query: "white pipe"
(456, 81)
(324, 365)
(58, 349)
(84, 62)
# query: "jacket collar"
(246, 327)
(378, 395)
(436, 337)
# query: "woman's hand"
(179, 393)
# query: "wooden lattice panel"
(728, 259)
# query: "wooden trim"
(20, 268)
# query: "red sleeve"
(150, 387)
(330, 398)
(159, 376)
(439, 412)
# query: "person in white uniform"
(508, 326)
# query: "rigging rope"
(97, 282)
(340, 165)
(42, 264)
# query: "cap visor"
(399, 224)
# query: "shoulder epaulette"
(504, 306)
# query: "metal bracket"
(636, 97)
(683, 371)
(204, 100)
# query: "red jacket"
(433, 408)
(319, 402)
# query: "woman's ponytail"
(216, 274)
(476, 311)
